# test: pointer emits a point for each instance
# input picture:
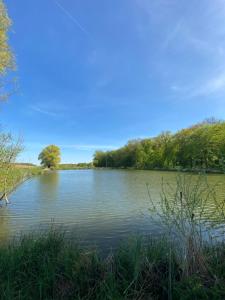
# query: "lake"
(99, 207)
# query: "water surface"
(98, 206)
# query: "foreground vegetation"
(182, 264)
(198, 147)
(48, 267)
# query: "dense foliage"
(201, 146)
(6, 59)
(50, 156)
(6, 56)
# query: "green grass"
(17, 175)
(49, 267)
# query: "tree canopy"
(50, 156)
(10, 148)
(201, 146)
(6, 56)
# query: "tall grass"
(49, 267)
(183, 210)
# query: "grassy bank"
(48, 267)
(16, 175)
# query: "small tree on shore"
(50, 156)
(10, 148)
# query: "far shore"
(24, 171)
(195, 171)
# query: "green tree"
(10, 148)
(50, 156)
(6, 56)
(200, 146)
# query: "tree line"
(201, 146)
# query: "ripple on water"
(102, 206)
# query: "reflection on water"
(101, 206)
(4, 223)
(48, 186)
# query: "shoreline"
(24, 176)
(194, 171)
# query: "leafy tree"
(50, 156)
(201, 146)
(6, 56)
(10, 148)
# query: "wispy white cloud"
(89, 147)
(191, 43)
(34, 145)
(204, 33)
(82, 147)
(156, 9)
(44, 111)
(71, 17)
(212, 86)
(171, 36)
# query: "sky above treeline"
(94, 74)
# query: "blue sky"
(94, 74)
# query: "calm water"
(98, 206)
